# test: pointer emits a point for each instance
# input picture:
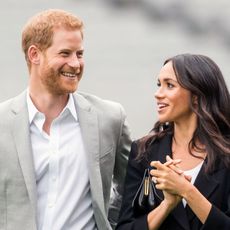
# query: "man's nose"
(74, 62)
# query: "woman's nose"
(158, 93)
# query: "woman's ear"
(194, 100)
(34, 55)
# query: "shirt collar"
(71, 107)
(32, 110)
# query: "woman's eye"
(158, 84)
(170, 85)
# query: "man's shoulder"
(5, 105)
(14, 103)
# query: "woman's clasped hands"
(169, 178)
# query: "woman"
(194, 127)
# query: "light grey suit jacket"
(107, 141)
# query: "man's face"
(62, 64)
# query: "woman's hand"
(156, 217)
(171, 180)
(173, 165)
(168, 177)
(171, 200)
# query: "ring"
(154, 180)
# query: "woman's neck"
(183, 133)
(181, 148)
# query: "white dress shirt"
(63, 192)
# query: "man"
(60, 151)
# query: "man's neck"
(50, 105)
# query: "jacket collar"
(88, 120)
(20, 133)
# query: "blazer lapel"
(20, 131)
(89, 127)
(163, 150)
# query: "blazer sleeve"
(219, 215)
(119, 172)
(218, 219)
(127, 220)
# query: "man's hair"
(39, 29)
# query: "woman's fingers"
(176, 169)
(188, 178)
(170, 161)
(155, 173)
(173, 164)
(155, 164)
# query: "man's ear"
(34, 54)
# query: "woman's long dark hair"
(203, 78)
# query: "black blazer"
(215, 187)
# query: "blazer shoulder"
(6, 114)
(13, 104)
(11, 107)
(5, 105)
(102, 106)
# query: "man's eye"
(64, 53)
(80, 54)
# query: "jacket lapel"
(164, 149)
(20, 131)
(89, 128)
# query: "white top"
(63, 192)
(193, 173)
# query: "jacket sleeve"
(218, 219)
(219, 215)
(127, 220)
(121, 160)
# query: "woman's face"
(173, 101)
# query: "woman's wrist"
(168, 205)
(187, 191)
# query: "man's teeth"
(69, 74)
